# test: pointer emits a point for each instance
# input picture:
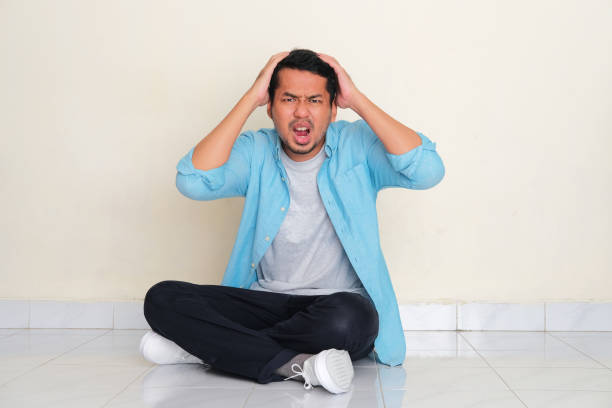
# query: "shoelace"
(295, 367)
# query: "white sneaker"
(332, 369)
(159, 350)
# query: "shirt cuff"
(408, 162)
(213, 178)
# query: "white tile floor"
(102, 368)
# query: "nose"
(301, 109)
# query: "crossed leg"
(252, 333)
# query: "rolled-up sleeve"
(228, 180)
(419, 169)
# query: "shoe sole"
(144, 339)
(158, 341)
(334, 370)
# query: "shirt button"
(282, 178)
(282, 208)
(267, 238)
(252, 265)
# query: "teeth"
(301, 129)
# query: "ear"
(270, 109)
(334, 111)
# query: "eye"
(288, 99)
(315, 100)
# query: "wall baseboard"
(555, 316)
(566, 316)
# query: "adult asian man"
(306, 289)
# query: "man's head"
(301, 104)
(306, 60)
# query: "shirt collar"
(331, 141)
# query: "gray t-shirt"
(306, 256)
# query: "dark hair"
(306, 60)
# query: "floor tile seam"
(494, 331)
(460, 334)
(204, 387)
(563, 390)
(455, 368)
(12, 334)
(3, 384)
(572, 332)
(76, 347)
(566, 368)
(526, 352)
(246, 400)
(380, 386)
(95, 365)
(126, 387)
(495, 371)
(472, 349)
(128, 332)
(578, 350)
(462, 367)
(440, 389)
(300, 387)
(540, 366)
(45, 362)
(53, 335)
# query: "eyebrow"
(295, 96)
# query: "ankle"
(286, 371)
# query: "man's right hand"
(215, 149)
(259, 89)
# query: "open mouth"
(301, 131)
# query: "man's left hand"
(347, 91)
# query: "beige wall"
(100, 100)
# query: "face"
(301, 112)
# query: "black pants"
(252, 333)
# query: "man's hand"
(260, 87)
(347, 91)
(397, 138)
(215, 149)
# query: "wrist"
(359, 103)
(251, 99)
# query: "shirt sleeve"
(228, 180)
(418, 169)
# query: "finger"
(329, 59)
(273, 61)
(280, 55)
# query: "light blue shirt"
(356, 168)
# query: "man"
(306, 289)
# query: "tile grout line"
(380, 387)
(578, 350)
(494, 370)
(51, 359)
(19, 330)
(456, 316)
(146, 370)
(248, 396)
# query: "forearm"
(397, 138)
(214, 150)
